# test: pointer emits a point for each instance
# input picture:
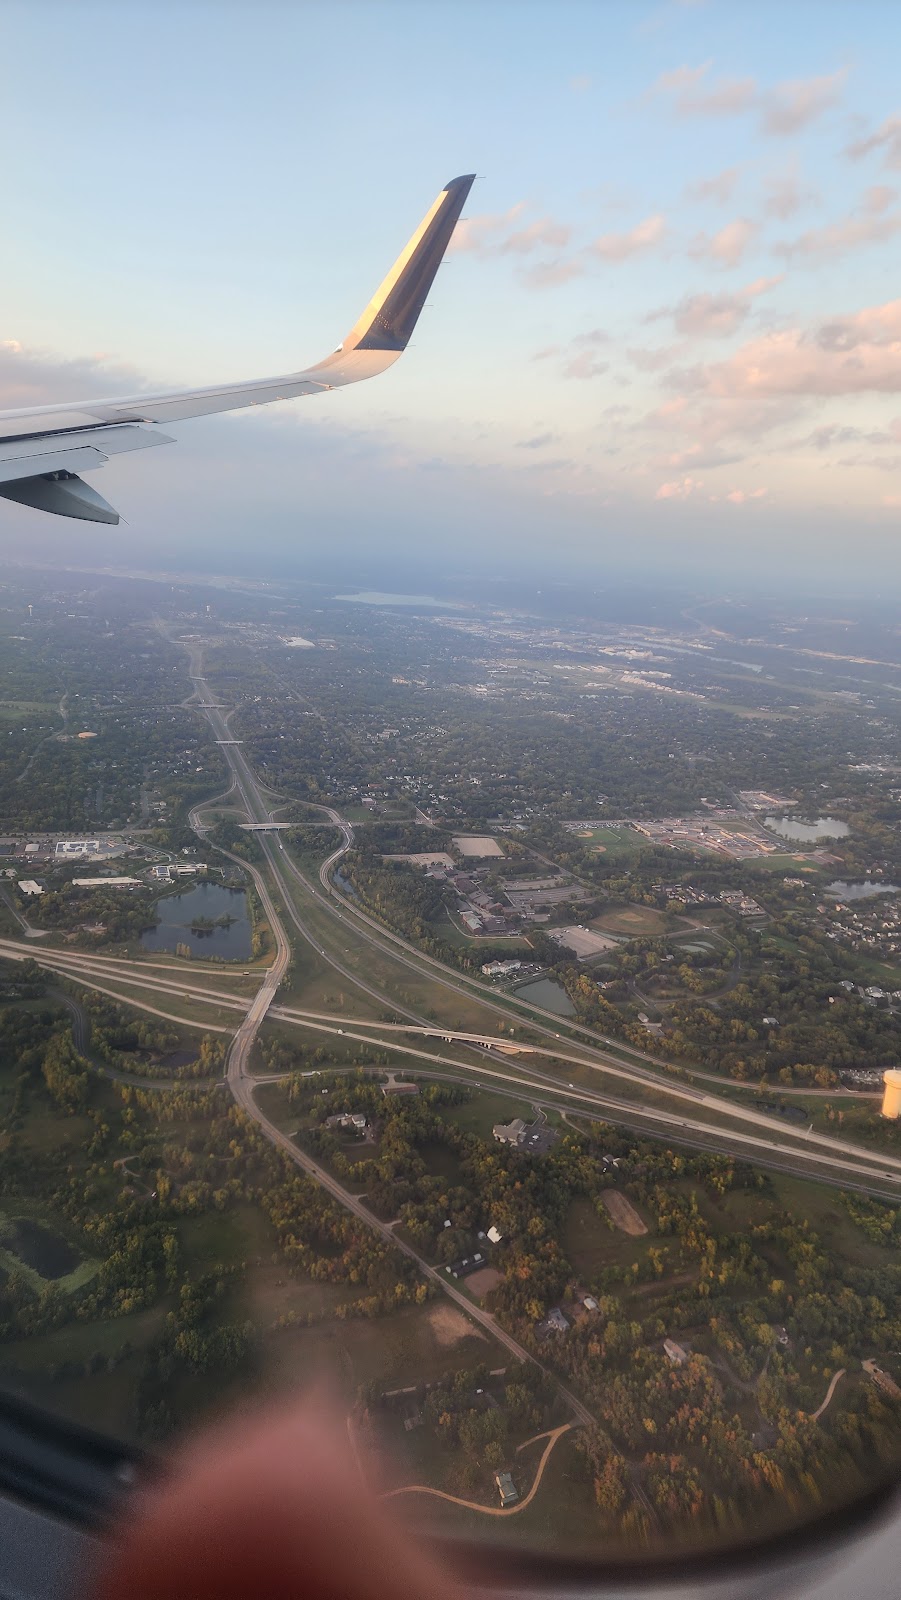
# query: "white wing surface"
(43, 449)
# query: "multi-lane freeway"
(804, 1152)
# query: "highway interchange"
(490, 1060)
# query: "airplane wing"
(43, 449)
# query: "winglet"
(391, 315)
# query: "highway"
(242, 1084)
(809, 1149)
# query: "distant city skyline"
(668, 333)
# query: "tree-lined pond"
(808, 832)
(548, 993)
(211, 920)
(38, 1247)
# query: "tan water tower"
(891, 1100)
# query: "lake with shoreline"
(807, 832)
(207, 902)
(548, 993)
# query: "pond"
(39, 1248)
(840, 890)
(807, 832)
(789, 1113)
(549, 994)
(198, 918)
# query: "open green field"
(591, 1242)
(616, 844)
(636, 922)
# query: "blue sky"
(671, 325)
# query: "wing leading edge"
(44, 448)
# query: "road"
(242, 1085)
(817, 1154)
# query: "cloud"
(786, 109)
(496, 234)
(792, 105)
(839, 238)
(855, 354)
(547, 274)
(878, 198)
(718, 189)
(580, 355)
(832, 433)
(694, 95)
(678, 489)
(645, 235)
(481, 234)
(580, 83)
(881, 463)
(585, 365)
(739, 497)
(728, 245)
(706, 315)
(538, 442)
(31, 377)
(784, 196)
(887, 138)
(651, 360)
(698, 455)
(891, 500)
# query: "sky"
(667, 336)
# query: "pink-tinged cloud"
(891, 500)
(41, 377)
(878, 198)
(548, 274)
(849, 355)
(678, 489)
(695, 95)
(650, 359)
(887, 138)
(680, 78)
(544, 232)
(706, 315)
(585, 365)
(645, 235)
(840, 238)
(784, 197)
(791, 106)
(728, 245)
(718, 189)
(481, 234)
(739, 497)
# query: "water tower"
(891, 1100)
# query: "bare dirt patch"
(623, 1212)
(481, 1283)
(450, 1326)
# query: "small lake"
(208, 901)
(39, 1248)
(549, 994)
(840, 890)
(788, 1113)
(807, 832)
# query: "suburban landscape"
(478, 1003)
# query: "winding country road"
(494, 1511)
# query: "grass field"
(591, 1243)
(617, 844)
(637, 922)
